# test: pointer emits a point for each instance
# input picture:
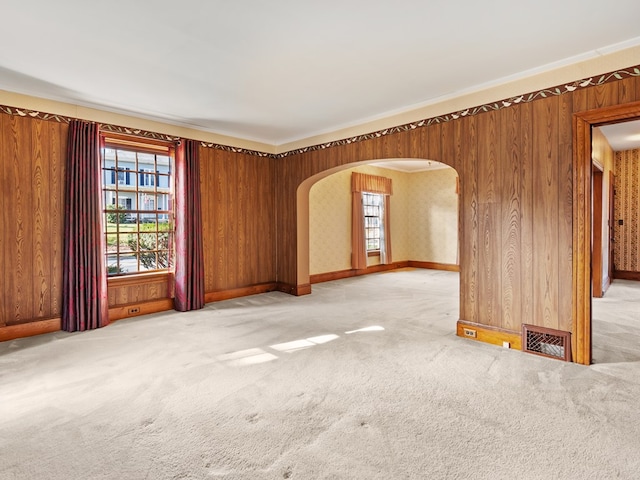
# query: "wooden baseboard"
(30, 329)
(119, 312)
(240, 292)
(296, 290)
(382, 268)
(142, 308)
(626, 275)
(489, 334)
(329, 276)
(449, 267)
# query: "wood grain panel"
(511, 217)
(629, 90)
(136, 290)
(527, 213)
(19, 220)
(208, 231)
(469, 241)
(266, 206)
(58, 133)
(448, 143)
(41, 184)
(238, 229)
(227, 212)
(31, 238)
(545, 178)
(580, 100)
(601, 96)
(224, 175)
(489, 222)
(243, 228)
(565, 212)
(434, 143)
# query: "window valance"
(361, 182)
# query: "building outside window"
(137, 185)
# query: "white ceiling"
(282, 70)
(623, 136)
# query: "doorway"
(585, 191)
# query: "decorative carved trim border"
(106, 127)
(499, 105)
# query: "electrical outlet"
(133, 310)
(468, 332)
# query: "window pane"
(372, 206)
(147, 201)
(164, 225)
(163, 181)
(163, 164)
(162, 200)
(112, 265)
(137, 237)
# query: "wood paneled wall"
(516, 170)
(516, 213)
(32, 164)
(131, 290)
(238, 216)
(238, 211)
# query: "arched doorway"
(424, 218)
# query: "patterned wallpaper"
(424, 218)
(330, 223)
(433, 202)
(627, 208)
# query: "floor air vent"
(546, 342)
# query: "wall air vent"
(546, 342)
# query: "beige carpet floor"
(363, 379)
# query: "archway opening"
(424, 218)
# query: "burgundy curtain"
(189, 289)
(84, 288)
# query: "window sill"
(138, 278)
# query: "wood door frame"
(581, 249)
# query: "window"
(372, 204)
(138, 217)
